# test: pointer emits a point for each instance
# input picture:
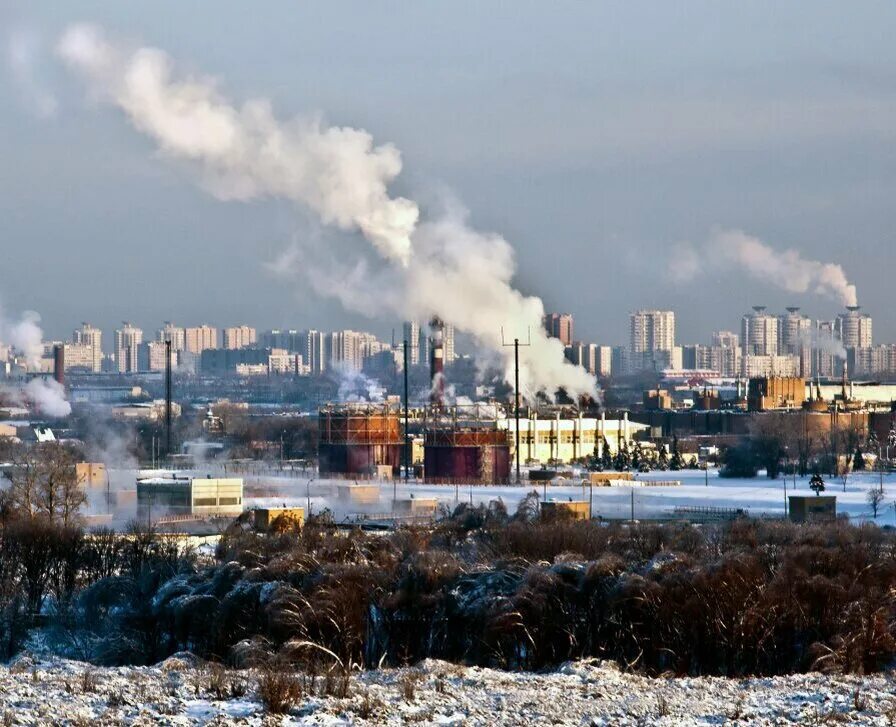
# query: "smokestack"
(59, 364)
(437, 361)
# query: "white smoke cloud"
(245, 153)
(355, 385)
(824, 342)
(48, 397)
(785, 269)
(25, 336)
(441, 267)
(23, 50)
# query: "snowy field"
(759, 496)
(436, 693)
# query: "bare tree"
(44, 483)
(875, 498)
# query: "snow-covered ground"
(760, 496)
(436, 693)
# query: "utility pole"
(516, 381)
(407, 436)
(168, 397)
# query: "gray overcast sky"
(594, 136)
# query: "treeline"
(515, 592)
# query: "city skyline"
(798, 128)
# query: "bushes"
(751, 597)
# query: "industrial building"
(560, 438)
(199, 497)
(357, 438)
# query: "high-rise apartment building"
(175, 334)
(759, 333)
(127, 347)
(239, 337)
(448, 341)
(315, 351)
(412, 336)
(824, 362)
(853, 328)
(559, 325)
(795, 338)
(652, 339)
(152, 356)
(200, 338)
(88, 335)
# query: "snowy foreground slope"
(177, 692)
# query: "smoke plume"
(25, 336)
(785, 269)
(440, 267)
(48, 397)
(824, 342)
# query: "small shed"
(812, 508)
(574, 509)
(266, 516)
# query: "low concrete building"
(812, 508)
(91, 474)
(422, 506)
(559, 439)
(267, 516)
(199, 497)
(566, 509)
(359, 494)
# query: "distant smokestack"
(59, 364)
(437, 360)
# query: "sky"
(598, 138)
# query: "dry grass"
(279, 690)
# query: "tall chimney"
(59, 364)
(437, 361)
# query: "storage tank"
(356, 440)
(466, 455)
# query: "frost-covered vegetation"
(480, 588)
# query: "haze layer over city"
(447, 364)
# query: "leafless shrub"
(407, 684)
(736, 712)
(89, 681)
(369, 707)
(278, 690)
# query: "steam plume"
(25, 336)
(442, 268)
(48, 397)
(785, 269)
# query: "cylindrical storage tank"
(355, 442)
(466, 456)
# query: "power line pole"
(407, 436)
(516, 380)
(168, 397)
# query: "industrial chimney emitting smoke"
(59, 364)
(437, 361)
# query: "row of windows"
(213, 502)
